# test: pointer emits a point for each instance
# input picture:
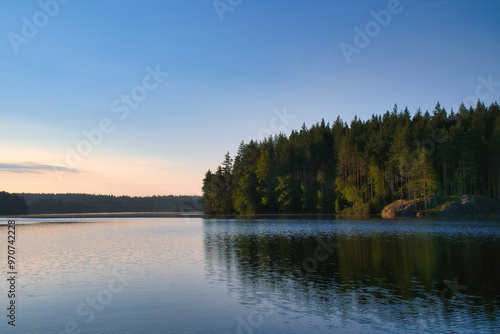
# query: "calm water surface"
(194, 275)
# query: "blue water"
(194, 275)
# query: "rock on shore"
(400, 208)
(455, 206)
(469, 206)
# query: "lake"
(195, 275)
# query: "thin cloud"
(32, 168)
(433, 4)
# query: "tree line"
(362, 166)
(11, 204)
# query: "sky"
(141, 98)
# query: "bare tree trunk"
(425, 191)
(444, 177)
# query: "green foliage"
(247, 198)
(218, 188)
(423, 178)
(267, 182)
(362, 166)
(289, 194)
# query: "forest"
(362, 166)
(11, 204)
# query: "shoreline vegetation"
(463, 207)
(363, 167)
(24, 204)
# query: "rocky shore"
(451, 207)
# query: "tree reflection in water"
(381, 273)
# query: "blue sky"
(227, 80)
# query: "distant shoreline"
(112, 215)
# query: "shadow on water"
(433, 272)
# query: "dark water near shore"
(194, 275)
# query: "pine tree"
(423, 177)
